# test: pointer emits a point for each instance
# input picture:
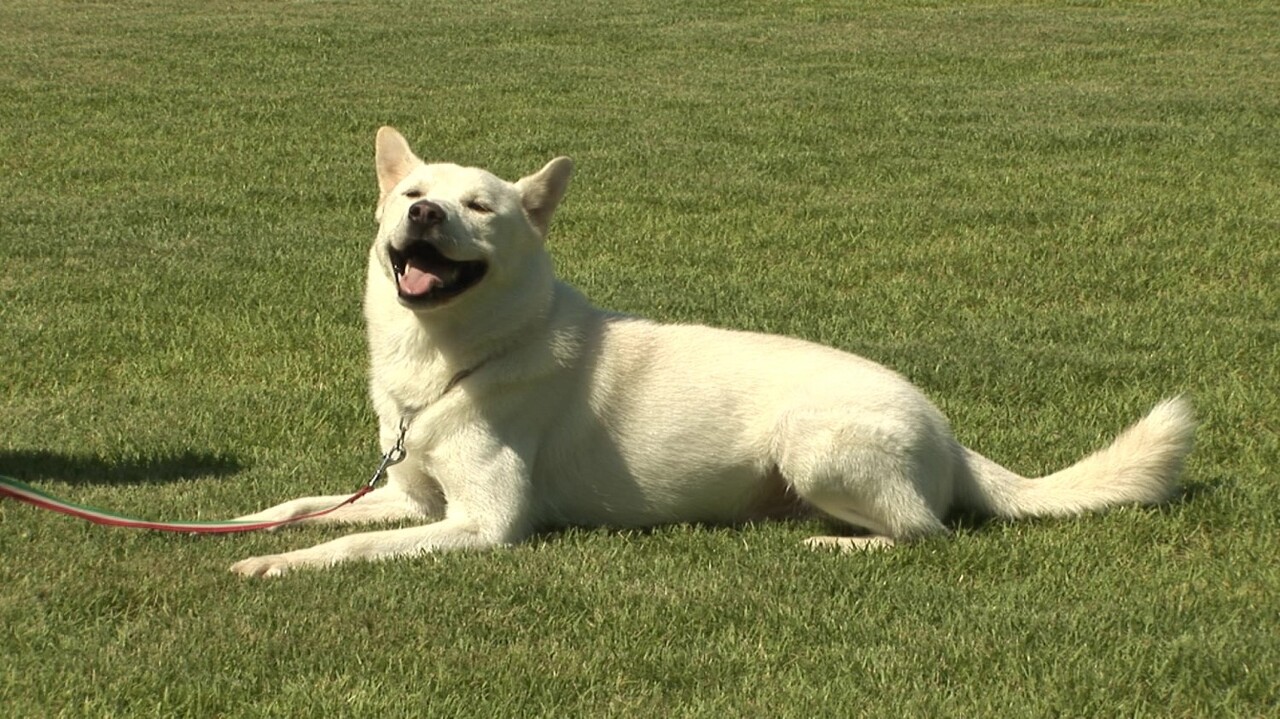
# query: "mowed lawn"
(1048, 215)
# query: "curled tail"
(1140, 467)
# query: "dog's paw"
(849, 544)
(272, 565)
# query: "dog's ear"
(542, 191)
(393, 160)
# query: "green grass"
(1048, 215)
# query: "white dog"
(522, 407)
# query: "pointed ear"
(393, 160)
(542, 191)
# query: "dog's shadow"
(39, 465)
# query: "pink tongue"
(417, 281)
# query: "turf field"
(1049, 215)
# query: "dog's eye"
(478, 206)
(413, 194)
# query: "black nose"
(426, 213)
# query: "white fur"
(577, 416)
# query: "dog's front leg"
(488, 506)
(384, 504)
(447, 534)
(408, 494)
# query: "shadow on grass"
(1201, 488)
(37, 465)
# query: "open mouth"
(425, 276)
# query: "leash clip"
(395, 455)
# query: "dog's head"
(443, 230)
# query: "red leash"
(10, 487)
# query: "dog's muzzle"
(423, 275)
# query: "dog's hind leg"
(894, 483)
(880, 533)
(849, 544)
